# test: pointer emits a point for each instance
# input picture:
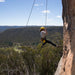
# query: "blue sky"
(16, 12)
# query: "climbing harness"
(44, 41)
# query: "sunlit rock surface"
(66, 65)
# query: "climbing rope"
(30, 12)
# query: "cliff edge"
(66, 64)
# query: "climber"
(43, 34)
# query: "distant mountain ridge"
(29, 35)
(3, 28)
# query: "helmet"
(41, 28)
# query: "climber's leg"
(47, 41)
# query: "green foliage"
(42, 61)
(10, 61)
(49, 57)
(17, 58)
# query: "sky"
(16, 12)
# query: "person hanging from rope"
(43, 34)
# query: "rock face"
(66, 65)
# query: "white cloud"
(58, 16)
(36, 4)
(45, 11)
(2, 0)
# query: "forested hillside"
(21, 52)
(29, 35)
